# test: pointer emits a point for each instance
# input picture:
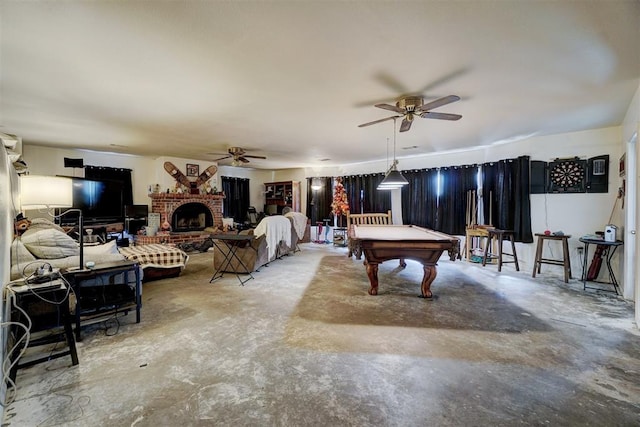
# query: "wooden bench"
(364, 219)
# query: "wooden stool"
(500, 235)
(565, 261)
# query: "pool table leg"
(372, 272)
(428, 278)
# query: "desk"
(384, 242)
(565, 262)
(105, 290)
(232, 243)
(47, 305)
(607, 250)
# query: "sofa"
(275, 237)
(45, 244)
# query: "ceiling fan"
(410, 106)
(239, 155)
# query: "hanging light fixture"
(316, 184)
(393, 178)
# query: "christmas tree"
(340, 205)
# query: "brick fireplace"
(166, 204)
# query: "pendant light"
(393, 178)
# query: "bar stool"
(500, 235)
(565, 261)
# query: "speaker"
(538, 177)
(73, 163)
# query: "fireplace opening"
(191, 217)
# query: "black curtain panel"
(420, 198)
(236, 201)
(319, 201)
(113, 174)
(363, 195)
(506, 196)
(455, 182)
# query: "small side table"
(565, 261)
(340, 236)
(100, 293)
(607, 249)
(232, 242)
(47, 305)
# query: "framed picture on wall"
(622, 162)
(193, 170)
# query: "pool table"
(384, 242)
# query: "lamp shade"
(393, 180)
(43, 192)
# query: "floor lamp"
(49, 192)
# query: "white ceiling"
(292, 80)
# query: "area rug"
(336, 313)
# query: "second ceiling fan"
(410, 106)
(239, 155)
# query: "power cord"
(7, 363)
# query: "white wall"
(631, 127)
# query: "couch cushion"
(49, 243)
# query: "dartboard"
(567, 175)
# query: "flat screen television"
(101, 201)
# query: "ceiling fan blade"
(406, 123)
(255, 157)
(243, 159)
(222, 158)
(391, 108)
(442, 116)
(378, 121)
(391, 82)
(438, 103)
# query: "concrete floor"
(303, 344)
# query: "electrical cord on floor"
(107, 327)
(6, 368)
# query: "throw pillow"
(108, 248)
(49, 243)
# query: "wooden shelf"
(281, 194)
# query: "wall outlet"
(580, 250)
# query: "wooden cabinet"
(279, 195)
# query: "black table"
(47, 305)
(607, 249)
(105, 290)
(231, 242)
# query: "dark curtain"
(420, 198)
(505, 195)
(319, 201)
(455, 182)
(363, 195)
(236, 201)
(113, 174)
